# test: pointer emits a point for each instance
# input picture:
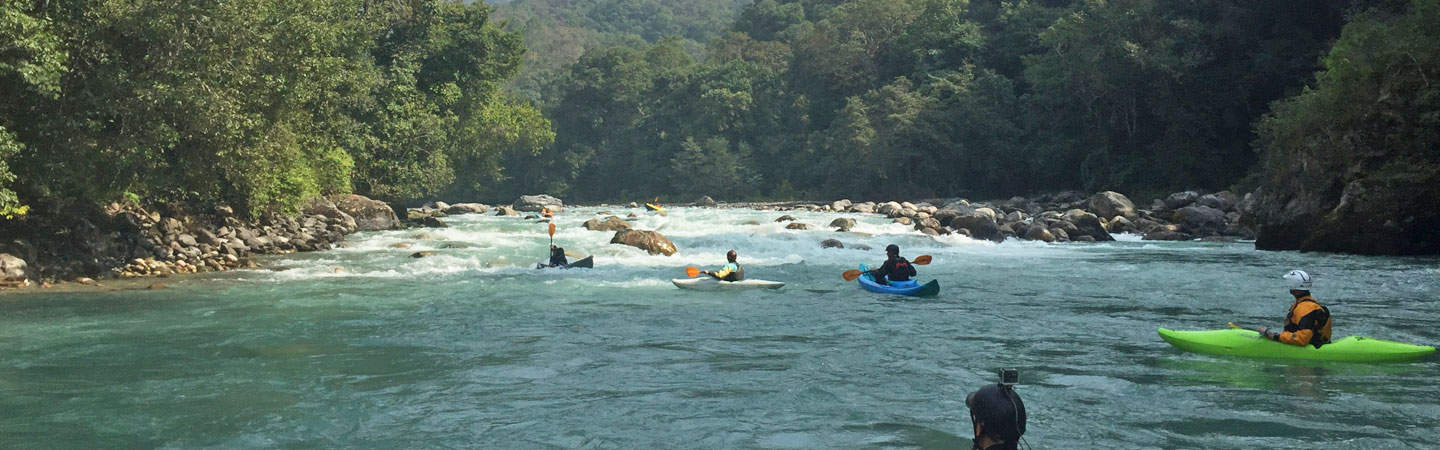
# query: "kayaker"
(557, 257)
(998, 415)
(895, 268)
(731, 271)
(1308, 322)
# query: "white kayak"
(711, 284)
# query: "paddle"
(852, 274)
(552, 234)
(692, 272)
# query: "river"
(364, 346)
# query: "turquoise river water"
(364, 346)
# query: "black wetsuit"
(894, 269)
(557, 258)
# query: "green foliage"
(253, 103)
(1374, 110)
(885, 98)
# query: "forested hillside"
(824, 98)
(254, 104)
(559, 31)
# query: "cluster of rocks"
(131, 241)
(651, 242)
(429, 215)
(1062, 217)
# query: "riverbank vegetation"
(254, 104)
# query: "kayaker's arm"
(724, 272)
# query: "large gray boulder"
(369, 215)
(1087, 225)
(1223, 200)
(866, 208)
(980, 224)
(840, 205)
(467, 208)
(534, 203)
(611, 223)
(1200, 219)
(12, 269)
(1038, 232)
(1110, 204)
(321, 206)
(843, 223)
(650, 241)
(707, 202)
(889, 209)
(1181, 199)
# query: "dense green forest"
(254, 103)
(904, 98)
(260, 104)
(557, 32)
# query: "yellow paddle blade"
(692, 272)
(921, 260)
(1233, 325)
(850, 275)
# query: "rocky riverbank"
(1062, 217)
(130, 241)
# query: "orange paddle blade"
(921, 260)
(850, 275)
(552, 230)
(692, 272)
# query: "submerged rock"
(798, 226)
(843, 224)
(832, 243)
(610, 223)
(651, 241)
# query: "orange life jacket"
(1308, 323)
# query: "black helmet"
(731, 255)
(999, 412)
(892, 249)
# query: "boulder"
(1181, 199)
(422, 254)
(1111, 204)
(649, 241)
(930, 232)
(610, 223)
(889, 209)
(1038, 232)
(1087, 225)
(1223, 200)
(832, 243)
(785, 218)
(903, 220)
(506, 211)
(1120, 225)
(12, 269)
(1200, 219)
(534, 203)
(369, 215)
(865, 208)
(432, 222)
(840, 205)
(798, 226)
(843, 223)
(927, 223)
(707, 202)
(467, 208)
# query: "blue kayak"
(909, 287)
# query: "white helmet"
(1298, 280)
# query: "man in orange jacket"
(1308, 322)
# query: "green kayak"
(1241, 342)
